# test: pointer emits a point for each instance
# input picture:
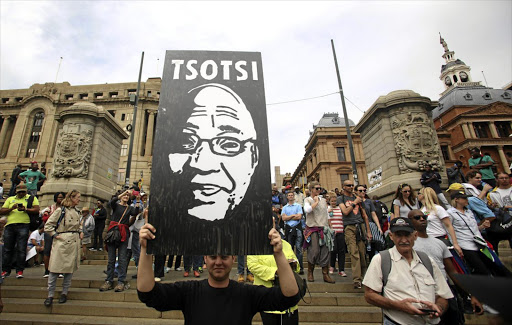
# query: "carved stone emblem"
(73, 152)
(415, 142)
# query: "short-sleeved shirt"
(32, 178)
(16, 216)
(404, 209)
(435, 226)
(336, 218)
(369, 207)
(37, 236)
(353, 217)
(289, 210)
(465, 227)
(407, 281)
(436, 249)
(487, 173)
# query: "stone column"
(5, 127)
(86, 154)
(465, 131)
(149, 134)
(398, 133)
(492, 128)
(504, 161)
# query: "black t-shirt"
(201, 304)
(118, 210)
(434, 184)
(101, 214)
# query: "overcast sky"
(381, 47)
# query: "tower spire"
(443, 43)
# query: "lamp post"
(134, 121)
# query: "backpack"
(35, 218)
(386, 264)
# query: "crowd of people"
(405, 256)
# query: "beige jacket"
(65, 254)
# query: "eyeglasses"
(223, 146)
(349, 185)
(318, 188)
(406, 191)
(362, 191)
(424, 217)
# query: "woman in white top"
(466, 230)
(404, 201)
(439, 222)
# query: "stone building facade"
(471, 115)
(29, 124)
(327, 156)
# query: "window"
(468, 96)
(132, 92)
(98, 95)
(343, 177)
(341, 154)
(506, 95)
(487, 96)
(18, 99)
(124, 150)
(481, 129)
(455, 78)
(149, 93)
(84, 96)
(123, 117)
(445, 152)
(503, 129)
(5, 100)
(69, 97)
(113, 94)
(157, 94)
(113, 113)
(35, 135)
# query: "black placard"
(210, 181)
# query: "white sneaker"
(490, 310)
(92, 249)
(167, 269)
(158, 279)
(179, 269)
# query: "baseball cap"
(401, 224)
(21, 188)
(296, 187)
(459, 195)
(456, 187)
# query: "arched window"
(35, 134)
(455, 78)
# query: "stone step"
(314, 287)
(93, 294)
(32, 319)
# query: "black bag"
(501, 227)
(113, 236)
(35, 218)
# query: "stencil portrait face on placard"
(216, 149)
(210, 176)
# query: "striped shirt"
(336, 218)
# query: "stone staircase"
(332, 304)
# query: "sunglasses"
(424, 217)
(349, 185)
(362, 191)
(406, 191)
(318, 188)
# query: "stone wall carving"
(73, 152)
(415, 142)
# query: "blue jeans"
(194, 261)
(135, 247)
(241, 264)
(119, 250)
(15, 234)
(296, 240)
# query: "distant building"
(29, 127)
(472, 115)
(327, 157)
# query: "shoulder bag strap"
(457, 212)
(426, 262)
(119, 222)
(385, 265)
